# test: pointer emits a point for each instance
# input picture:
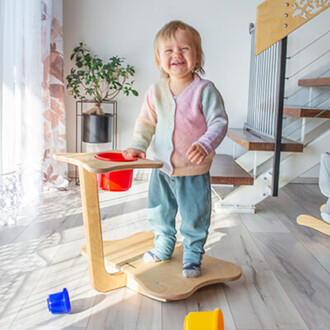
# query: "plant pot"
(96, 128)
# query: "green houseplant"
(94, 80)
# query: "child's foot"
(150, 257)
(191, 270)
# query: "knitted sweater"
(171, 126)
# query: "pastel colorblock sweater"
(171, 126)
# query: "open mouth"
(178, 63)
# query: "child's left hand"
(196, 154)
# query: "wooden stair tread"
(325, 81)
(250, 141)
(306, 112)
(225, 170)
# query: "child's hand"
(131, 153)
(196, 154)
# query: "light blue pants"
(192, 196)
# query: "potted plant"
(91, 79)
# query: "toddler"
(183, 119)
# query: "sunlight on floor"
(41, 257)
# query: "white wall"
(127, 28)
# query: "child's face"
(177, 55)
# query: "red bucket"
(114, 181)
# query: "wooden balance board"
(162, 281)
(314, 222)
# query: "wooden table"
(162, 281)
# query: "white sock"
(191, 270)
(150, 257)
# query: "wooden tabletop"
(94, 165)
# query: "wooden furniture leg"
(100, 279)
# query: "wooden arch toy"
(162, 281)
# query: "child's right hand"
(131, 153)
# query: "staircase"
(273, 159)
(251, 173)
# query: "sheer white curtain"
(28, 134)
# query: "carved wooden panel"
(277, 18)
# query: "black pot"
(96, 128)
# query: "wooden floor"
(285, 282)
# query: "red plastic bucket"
(114, 181)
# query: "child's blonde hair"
(168, 31)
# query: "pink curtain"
(55, 174)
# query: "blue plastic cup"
(59, 303)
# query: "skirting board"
(306, 180)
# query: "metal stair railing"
(263, 89)
(312, 68)
(266, 97)
(266, 93)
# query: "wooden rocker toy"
(314, 222)
(162, 281)
(321, 225)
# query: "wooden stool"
(162, 281)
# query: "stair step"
(314, 82)
(306, 112)
(225, 170)
(250, 141)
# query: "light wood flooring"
(285, 282)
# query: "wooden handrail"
(278, 18)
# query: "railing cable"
(307, 65)
(309, 103)
(314, 117)
(301, 88)
(301, 50)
